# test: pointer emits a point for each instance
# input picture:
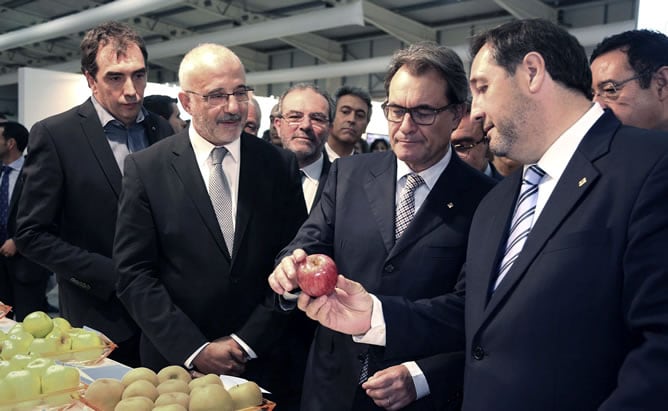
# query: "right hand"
(284, 277)
(222, 356)
(347, 310)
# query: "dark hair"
(357, 92)
(377, 142)
(119, 34)
(160, 105)
(424, 56)
(308, 86)
(646, 51)
(17, 131)
(565, 58)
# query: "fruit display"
(41, 336)
(172, 389)
(317, 275)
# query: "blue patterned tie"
(406, 209)
(221, 196)
(4, 203)
(522, 220)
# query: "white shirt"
(16, 167)
(332, 154)
(231, 167)
(553, 162)
(311, 181)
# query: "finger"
(298, 255)
(274, 284)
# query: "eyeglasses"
(468, 145)
(423, 115)
(294, 119)
(218, 98)
(610, 90)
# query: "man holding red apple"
(365, 222)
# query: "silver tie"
(406, 209)
(221, 196)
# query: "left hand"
(391, 388)
(8, 249)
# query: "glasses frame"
(325, 122)
(227, 96)
(616, 85)
(435, 111)
(465, 148)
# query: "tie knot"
(533, 175)
(217, 155)
(413, 181)
(6, 169)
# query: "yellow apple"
(246, 395)
(140, 373)
(38, 323)
(205, 379)
(134, 404)
(173, 386)
(104, 393)
(210, 397)
(174, 372)
(141, 388)
(170, 407)
(180, 398)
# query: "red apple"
(317, 275)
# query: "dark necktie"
(522, 221)
(406, 209)
(4, 203)
(221, 196)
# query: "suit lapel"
(323, 177)
(577, 180)
(380, 187)
(92, 129)
(250, 180)
(185, 166)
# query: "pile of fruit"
(28, 375)
(171, 389)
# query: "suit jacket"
(326, 164)
(67, 214)
(495, 173)
(175, 275)
(580, 322)
(354, 223)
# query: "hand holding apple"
(317, 275)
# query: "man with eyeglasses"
(201, 218)
(470, 143)
(398, 222)
(630, 77)
(303, 124)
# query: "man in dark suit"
(67, 212)
(303, 124)
(197, 232)
(355, 224)
(579, 321)
(22, 282)
(472, 145)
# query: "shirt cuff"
(419, 380)
(377, 333)
(189, 360)
(250, 354)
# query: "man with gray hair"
(380, 214)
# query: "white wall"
(653, 14)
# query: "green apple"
(62, 339)
(210, 397)
(5, 368)
(134, 404)
(17, 343)
(38, 323)
(3, 336)
(62, 323)
(16, 328)
(59, 383)
(167, 398)
(86, 346)
(104, 393)
(24, 383)
(41, 346)
(141, 388)
(140, 373)
(6, 392)
(247, 394)
(39, 365)
(174, 372)
(20, 361)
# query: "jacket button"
(389, 268)
(478, 353)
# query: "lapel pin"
(450, 205)
(582, 181)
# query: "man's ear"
(89, 79)
(184, 99)
(533, 66)
(661, 78)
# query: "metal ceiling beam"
(317, 46)
(403, 28)
(527, 9)
(116, 10)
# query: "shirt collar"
(17, 164)
(430, 175)
(314, 170)
(106, 117)
(203, 147)
(557, 156)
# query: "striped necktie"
(522, 221)
(221, 196)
